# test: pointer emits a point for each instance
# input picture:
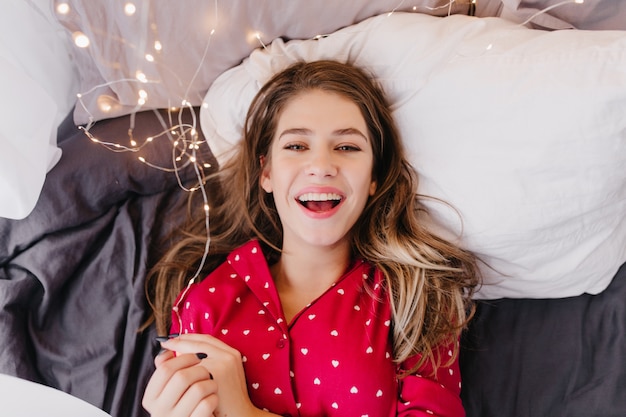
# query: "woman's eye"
(349, 148)
(295, 147)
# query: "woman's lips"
(320, 202)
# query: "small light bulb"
(80, 39)
(63, 8)
(157, 46)
(141, 76)
(130, 9)
(149, 58)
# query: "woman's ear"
(265, 180)
(373, 188)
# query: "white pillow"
(522, 131)
(39, 89)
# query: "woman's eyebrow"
(296, 131)
(307, 132)
(349, 131)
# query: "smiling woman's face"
(319, 169)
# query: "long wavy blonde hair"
(429, 280)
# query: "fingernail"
(162, 339)
(201, 355)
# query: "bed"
(512, 111)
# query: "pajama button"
(281, 343)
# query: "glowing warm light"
(142, 159)
(80, 39)
(579, 1)
(63, 8)
(157, 46)
(254, 38)
(141, 76)
(149, 58)
(133, 143)
(206, 207)
(106, 103)
(130, 9)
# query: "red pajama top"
(333, 359)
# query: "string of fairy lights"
(184, 137)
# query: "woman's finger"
(193, 343)
(165, 355)
(171, 380)
(199, 392)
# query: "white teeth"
(319, 197)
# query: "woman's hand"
(180, 388)
(224, 365)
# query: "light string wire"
(184, 136)
(547, 9)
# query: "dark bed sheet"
(554, 358)
(72, 298)
(72, 273)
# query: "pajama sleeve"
(426, 394)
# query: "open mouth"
(319, 202)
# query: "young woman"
(326, 295)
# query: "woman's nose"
(321, 163)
